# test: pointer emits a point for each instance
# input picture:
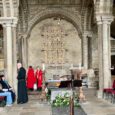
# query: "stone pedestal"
(91, 78)
(99, 93)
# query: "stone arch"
(53, 12)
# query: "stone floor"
(66, 111)
(92, 106)
(33, 107)
(95, 106)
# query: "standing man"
(22, 90)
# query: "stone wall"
(71, 41)
(37, 18)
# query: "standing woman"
(22, 90)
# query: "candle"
(80, 66)
(43, 66)
(71, 65)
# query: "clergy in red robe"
(39, 76)
(31, 79)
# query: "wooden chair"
(108, 93)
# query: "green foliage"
(64, 101)
(76, 101)
(48, 94)
(2, 103)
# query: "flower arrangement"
(65, 101)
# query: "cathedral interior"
(58, 34)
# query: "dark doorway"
(113, 64)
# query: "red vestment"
(39, 74)
(30, 78)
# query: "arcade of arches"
(58, 34)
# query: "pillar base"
(99, 93)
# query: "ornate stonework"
(84, 44)
(53, 44)
(50, 12)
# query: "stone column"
(11, 8)
(24, 52)
(89, 52)
(4, 8)
(9, 53)
(5, 50)
(104, 52)
(100, 58)
(27, 53)
(23, 55)
(14, 57)
(85, 50)
(19, 49)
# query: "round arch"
(53, 12)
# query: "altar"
(61, 87)
(63, 83)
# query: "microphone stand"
(72, 95)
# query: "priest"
(39, 76)
(31, 80)
(22, 90)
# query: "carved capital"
(87, 34)
(104, 19)
(8, 21)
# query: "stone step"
(36, 95)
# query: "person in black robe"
(5, 85)
(22, 90)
